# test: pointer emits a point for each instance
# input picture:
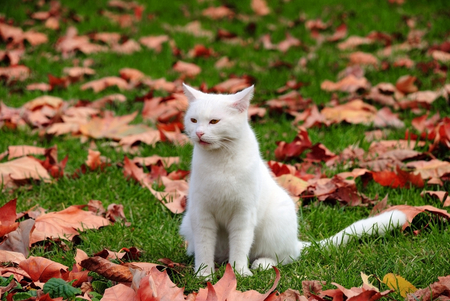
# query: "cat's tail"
(379, 224)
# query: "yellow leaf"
(367, 284)
(399, 284)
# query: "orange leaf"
(42, 269)
(158, 285)
(64, 224)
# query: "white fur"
(235, 209)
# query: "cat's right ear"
(191, 93)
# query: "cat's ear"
(191, 93)
(242, 99)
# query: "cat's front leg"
(205, 235)
(241, 232)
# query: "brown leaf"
(108, 269)
(19, 239)
(39, 86)
(362, 58)
(225, 289)
(260, 7)
(188, 69)
(405, 84)
(441, 195)
(105, 82)
(112, 127)
(158, 283)
(438, 290)
(10, 256)
(216, 13)
(119, 292)
(8, 218)
(64, 224)
(150, 137)
(155, 159)
(24, 150)
(355, 112)
(154, 42)
(430, 169)
(348, 84)
(412, 211)
(23, 169)
(42, 269)
(12, 73)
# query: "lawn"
(389, 51)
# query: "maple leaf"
(225, 289)
(119, 292)
(399, 179)
(362, 58)
(154, 42)
(19, 239)
(349, 83)
(286, 151)
(155, 159)
(174, 195)
(158, 284)
(105, 82)
(112, 127)
(22, 169)
(412, 211)
(437, 290)
(10, 256)
(8, 218)
(188, 69)
(430, 169)
(12, 73)
(441, 195)
(65, 224)
(216, 13)
(260, 7)
(42, 269)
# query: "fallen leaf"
(348, 84)
(188, 69)
(119, 292)
(105, 82)
(399, 284)
(405, 84)
(22, 169)
(412, 211)
(154, 42)
(8, 218)
(66, 223)
(216, 13)
(19, 239)
(225, 289)
(158, 283)
(108, 269)
(42, 269)
(260, 7)
(112, 127)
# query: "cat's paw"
(244, 271)
(205, 273)
(263, 263)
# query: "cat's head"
(215, 121)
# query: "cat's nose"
(199, 134)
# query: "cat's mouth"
(201, 142)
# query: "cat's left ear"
(191, 93)
(242, 99)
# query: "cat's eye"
(193, 120)
(214, 121)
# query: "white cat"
(235, 210)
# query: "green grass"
(154, 229)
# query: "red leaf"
(286, 151)
(8, 218)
